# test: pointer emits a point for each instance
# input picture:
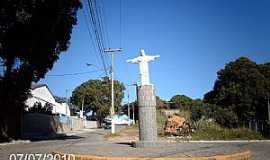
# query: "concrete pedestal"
(147, 116)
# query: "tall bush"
(224, 117)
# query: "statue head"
(142, 53)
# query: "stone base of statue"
(147, 116)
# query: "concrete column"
(147, 116)
(112, 127)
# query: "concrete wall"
(90, 124)
(119, 127)
(170, 112)
(76, 123)
(40, 125)
(37, 124)
(62, 108)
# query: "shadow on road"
(126, 143)
(51, 137)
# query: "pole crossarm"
(112, 50)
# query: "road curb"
(243, 155)
(15, 142)
(224, 141)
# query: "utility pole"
(82, 105)
(128, 105)
(112, 51)
(66, 101)
(133, 107)
(133, 113)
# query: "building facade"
(40, 93)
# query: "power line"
(103, 13)
(89, 32)
(102, 27)
(120, 14)
(97, 29)
(72, 74)
(99, 22)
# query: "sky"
(194, 38)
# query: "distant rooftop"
(34, 86)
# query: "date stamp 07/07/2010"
(40, 156)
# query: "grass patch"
(161, 121)
(133, 126)
(129, 131)
(112, 135)
(212, 131)
(185, 114)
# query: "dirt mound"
(176, 125)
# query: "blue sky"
(195, 39)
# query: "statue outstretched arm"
(157, 56)
(135, 60)
(151, 58)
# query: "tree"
(96, 95)
(161, 103)
(197, 102)
(181, 102)
(222, 116)
(60, 99)
(32, 35)
(243, 88)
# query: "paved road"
(94, 143)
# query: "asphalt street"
(93, 142)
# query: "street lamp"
(90, 64)
(95, 66)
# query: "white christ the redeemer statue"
(143, 60)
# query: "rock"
(178, 126)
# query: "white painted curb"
(224, 141)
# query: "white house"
(42, 94)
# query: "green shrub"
(161, 121)
(38, 108)
(224, 117)
(185, 114)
